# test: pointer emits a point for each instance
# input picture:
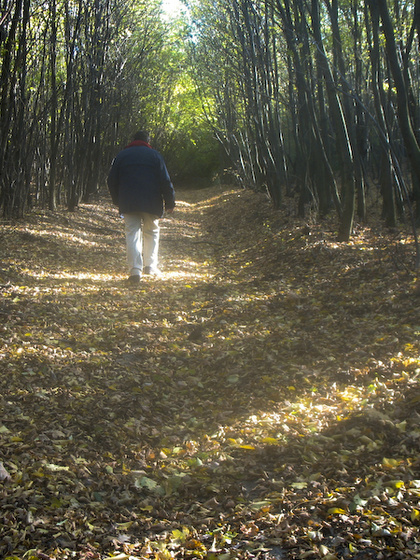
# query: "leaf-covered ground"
(260, 400)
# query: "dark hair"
(142, 135)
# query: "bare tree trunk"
(360, 118)
(410, 140)
(15, 152)
(54, 134)
(7, 84)
(344, 144)
(386, 168)
(303, 130)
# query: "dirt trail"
(260, 400)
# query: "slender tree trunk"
(410, 140)
(303, 127)
(7, 102)
(322, 129)
(386, 169)
(360, 119)
(54, 138)
(343, 140)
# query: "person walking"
(140, 186)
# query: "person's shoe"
(152, 271)
(134, 280)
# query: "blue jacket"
(139, 181)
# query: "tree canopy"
(78, 79)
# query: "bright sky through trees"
(172, 8)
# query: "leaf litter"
(260, 400)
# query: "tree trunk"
(343, 140)
(386, 175)
(409, 137)
(54, 108)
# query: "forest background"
(316, 100)
(261, 399)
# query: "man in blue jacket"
(140, 186)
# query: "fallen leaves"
(4, 475)
(261, 400)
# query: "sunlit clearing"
(187, 270)
(71, 275)
(191, 273)
(79, 239)
(302, 416)
(185, 275)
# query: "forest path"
(260, 400)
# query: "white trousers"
(142, 240)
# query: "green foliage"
(190, 147)
(165, 100)
(90, 74)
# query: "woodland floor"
(260, 400)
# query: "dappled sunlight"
(67, 236)
(192, 272)
(251, 385)
(186, 275)
(68, 275)
(204, 199)
(183, 204)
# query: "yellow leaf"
(161, 555)
(391, 463)
(338, 511)
(124, 526)
(251, 447)
(178, 535)
(395, 484)
(256, 506)
(415, 515)
(270, 440)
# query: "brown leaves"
(260, 400)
